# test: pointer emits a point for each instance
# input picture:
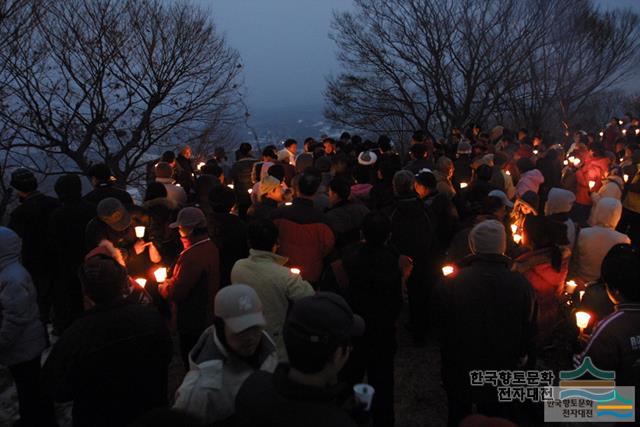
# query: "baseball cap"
(268, 184)
(240, 307)
(500, 195)
(113, 213)
(367, 158)
(322, 318)
(191, 218)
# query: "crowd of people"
(282, 277)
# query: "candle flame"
(142, 282)
(514, 228)
(626, 177)
(592, 184)
(517, 238)
(140, 231)
(295, 270)
(201, 165)
(160, 274)
(582, 319)
(463, 185)
(447, 270)
(230, 186)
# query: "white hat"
(500, 195)
(367, 158)
(488, 237)
(240, 307)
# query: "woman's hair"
(544, 232)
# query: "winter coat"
(30, 221)
(593, 170)
(241, 177)
(612, 186)
(175, 193)
(262, 209)
(106, 190)
(21, 332)
(486, 319)
(416, 166)
(444, 185)
(529, 181)
(632, 199)
(184, 173)
(112, 363)
(276, 286)
(230, 236)
(444, 216)
(305, 237)
(500, 180)
(596, 241)
(345, 219)
(194, 282)
(558, 206)
(208, 391)
(548, 285)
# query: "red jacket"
(193, 285)
(305, 237)
(593, 170)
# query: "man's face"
(187, 153)
(244, 343)
(328, 148)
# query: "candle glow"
(626, 177)
(140, 231)
(230, 186)
(142, 282)
(576, 161)
(160, 274)
(514, 228)
(517, 238)
(571, 286)
(447, 270)
(295, 270)
(463, 185)
(592, 184)
(201, 165)
(582, 320)
(250, 190)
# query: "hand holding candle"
(582, 320)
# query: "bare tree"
(435, 64)
(108, 80)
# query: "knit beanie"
(23, 180)
(559, 200)
(488, 237)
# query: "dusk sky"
(285, 46)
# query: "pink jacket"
(529, 181)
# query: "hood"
(607, 213)
(559, 200)
(614, 178)
(10, 247)
(534, 175)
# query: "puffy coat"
(215, 376)
(612, 186)
(175, 193)
(276, 286)
(529, 181)
(305, 237)
(558, 206)
(21, 332)
(548, 285)
(345, 219)
(596, 241)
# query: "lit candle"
(250, 190)
(582, 320)
(288, 204)
(447, 270)
(178, 185)
(517, 238)
(620, 122)
(295, 270)
(624, 131)
(637, 131)
(571, 159)
(508, 173)
(200, 165)
(571, 286)
(621, 159)
(535, 152)
(576, 161)
(463, 185)
(581, 294)
(230, 186)
(140, 231)
(566, 162)
(514, 228)
(601, 134)
(142, 282)
(160, 274)
(626, 177)
(592, 184)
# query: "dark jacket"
(104, 190)
(263, 209)
(272, 400)
(416, 166)
(444, 216)
(194, 282)
(381, 196)
(305, 237)
(615, 345)
(66, 233)
(241, 177)
(30, 221)
(485, 319)
(184, 173)
(230, 236)
(345, 219)
(112, 363)
(374, 289)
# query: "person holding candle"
(112, 362)
(558, 208)
(530, 177)
(614, 344)
(484, 317)
(195, 279)
(443, 173)
(594, 169)
(225, 355)
(276, 285)
(545, 265)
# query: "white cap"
(240, 307)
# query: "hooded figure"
(594, 242)
(558, 207)
(531, 178)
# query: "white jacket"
(208, 391)
(595, 242)
(175, 193)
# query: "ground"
(420, 399)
